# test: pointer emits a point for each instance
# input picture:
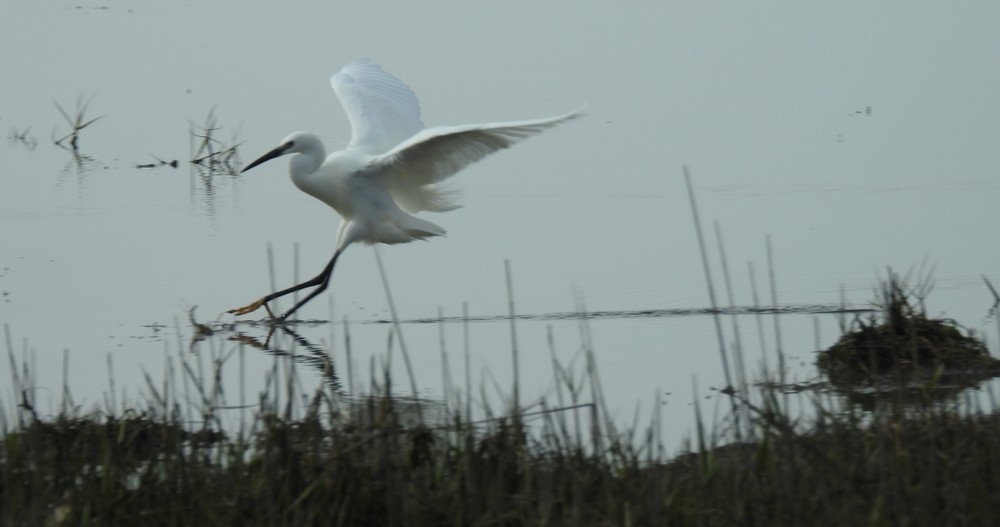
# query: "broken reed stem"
(708, 278)
(396, 328)
(516, 403)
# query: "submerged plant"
(76, 123)
(212, 153)
(22, 137)
(159, 163)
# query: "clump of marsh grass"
(900, 339)
(77, 122)
(212, 153)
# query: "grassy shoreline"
(921, 453)
(902, 464)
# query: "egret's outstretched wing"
(382, 110)
(412, 168)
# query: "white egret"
(391, 168)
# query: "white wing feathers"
(385, 123)
(413, 167)
(382, 110)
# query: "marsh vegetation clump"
(214, 154)
(77, 122)
(901, 340)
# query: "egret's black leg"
(326, 274)
(321, 280)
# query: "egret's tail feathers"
(419, 228)
(400, 228)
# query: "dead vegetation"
(901, 340)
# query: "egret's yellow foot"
(249, 308)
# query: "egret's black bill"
(277, 152)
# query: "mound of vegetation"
(903, 340)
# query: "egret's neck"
(306, 162)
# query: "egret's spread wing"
(382, 110)
(412, 168)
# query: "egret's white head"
(296, 143)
